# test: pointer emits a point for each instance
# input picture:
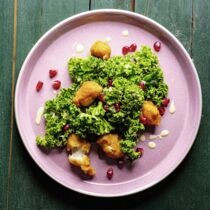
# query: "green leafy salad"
(116, 110)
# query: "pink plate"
(53, 51)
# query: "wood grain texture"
(33, 19)
(174, 15)
(6, 63)
(116, 4)
(189, 186)
(201, 56)
(27, 187)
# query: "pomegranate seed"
(157, 46)
(66, 127)
(101, 97)
(165, 102)
(161, 110)
(120, 163)
(109, 173)
(110, 82)
(117, 107)
(133, 47)
(56, 84)
(39, 86)
(106, 108)
(143, 119)
(125, 50)
(52, 73)
(142, 85)
(140, 150)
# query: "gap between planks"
(12, 96)
(89, 7)
(132, 5)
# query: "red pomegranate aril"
(133, 47)
(125, 50)
(161, 110)
(120, 163)
(142, 85)
(101, 98)
(143, 119)
(39, 86)
(165, 102)
(110, 82)
(52, 73)
(117, 107)
(106, 108)
(109, 173)
(157, 46)
(140, 150)
(56, 84)
(66, 127)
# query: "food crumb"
(164, 133)
(108, 39)
(172, 108)
(125, 32)
(142, 138)
(152, 145)
(39, 115)
(152, 137)
(110, 89)
(79, 48)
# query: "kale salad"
(118, 95)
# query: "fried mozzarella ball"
(110, 144)
(151, 113)
(101, 49)
(87, 93)
(78, 149)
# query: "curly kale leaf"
(126, 72)
(57, 113)
(140, 66)
(128, 95)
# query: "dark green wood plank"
(189, 186)
(6, 44)
(174, 15)
(116, 4)
(201, 56)
(30, 188)
(54, 11)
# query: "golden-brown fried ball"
(101, 49)
(79, 149)
(87, 93)
(75, 142)
(151, 113)
(110, 144)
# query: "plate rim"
(134, 15)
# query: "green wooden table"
(22, 183)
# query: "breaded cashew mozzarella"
(78, 149)
(87, 93)
(151, 113)
(110, 144)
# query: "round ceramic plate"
(53, 51)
